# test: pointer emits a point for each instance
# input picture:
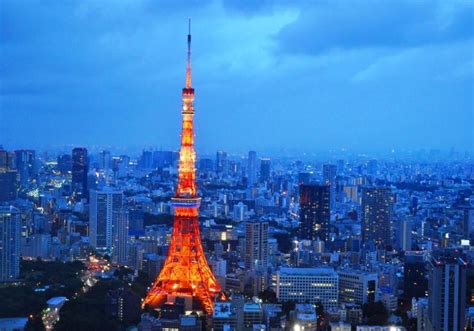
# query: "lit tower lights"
(186, 272)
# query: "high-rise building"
(120, 237)
(256, 245)
(104, 204)
(185, 274)
(8, 185)
(376, 221)
(468, 222)
(252, 168)
(358, 287)
(240, 211)
(415, 283)
(304, 178)
(265, 169)
(446, 290)
(221, 159)
(404, 235)
(314, 212)
(9, 243)
(146, 160)
(25, 161)
(105, 160)
(206, 165)
(163, 159)
(64, 163)
(329, 179)
(7, 160)
(308, 285)
(80, 168)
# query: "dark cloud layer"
(322, 75)
(348, 25)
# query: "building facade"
(314, 212)
(308, 285)
(104, 204)
(10, 224)
(256, 245)
(376, 221)
(446, 290)
(356, 286)
(80, 168)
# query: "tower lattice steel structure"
(185, 272)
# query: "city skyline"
(373, 85)
(331, 187)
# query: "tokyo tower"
(185, 272)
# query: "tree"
(268, 296)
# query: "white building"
(356, 286)
(380, 328)
(240, 211)
(341, 326)
(256, 245)
(103, 204)
(308, 285)
(120, 227)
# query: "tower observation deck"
(185, 272)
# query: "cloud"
(267, 74)
(377, 24)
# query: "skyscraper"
(120, 237)
(103, 206)
(314, 212)
(415, 284)
(256, 245)
(7, 160)
(221, 159)
(265, 168)
(105, 160)
(8, 185)
(25, 161)
(447, 290)
(9, 243)
(64, 163)
(186, 273)
(376, 218)
(329, 178)
(404, 235)
(80, 168)
(252, 168)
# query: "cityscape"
(355, 219)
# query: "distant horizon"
(136, 151)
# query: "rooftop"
(308, 271)
(252, 307)
(56, 301)
(13, 323)
(222, 310)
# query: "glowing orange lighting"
(185, 271)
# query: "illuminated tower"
(185, 272)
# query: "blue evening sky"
(320, 75)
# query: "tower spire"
(188, 68)
(186, 272)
